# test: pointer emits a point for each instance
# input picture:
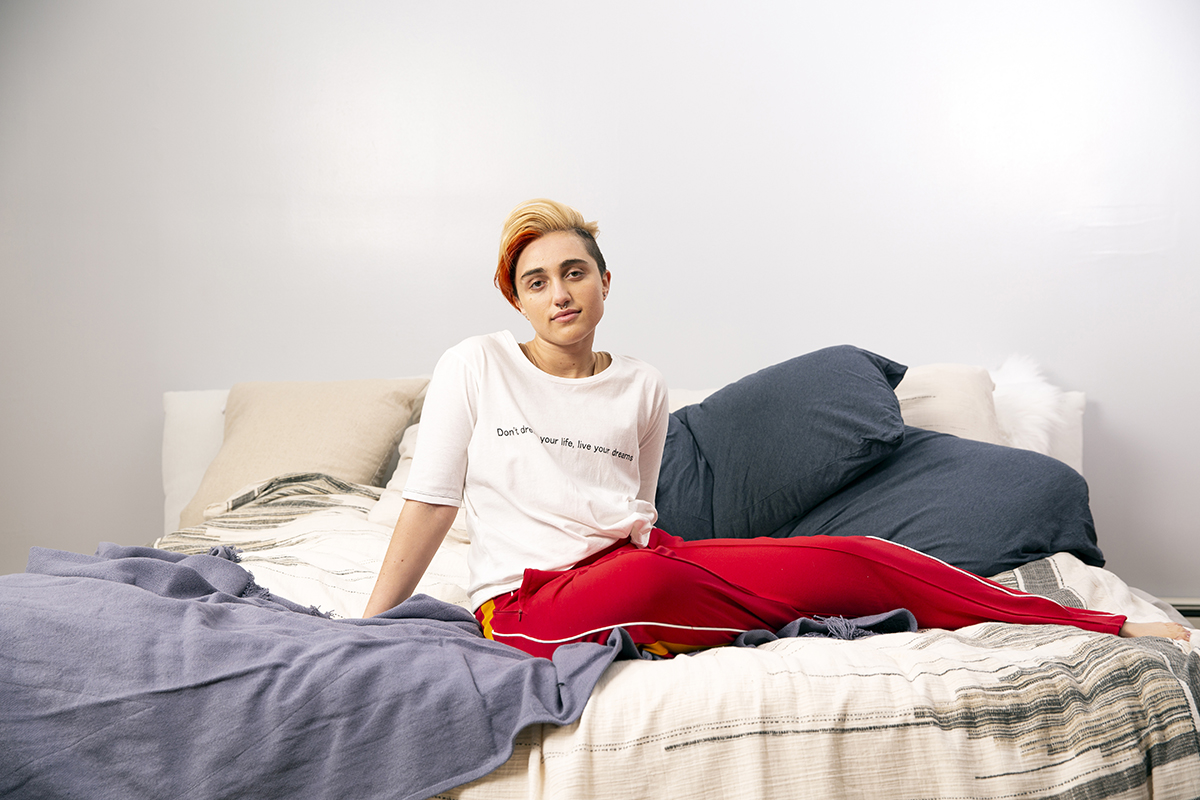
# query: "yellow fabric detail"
(668, 649)
(489, 610)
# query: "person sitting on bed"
(554, 450)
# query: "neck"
(577, 361)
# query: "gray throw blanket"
(142, 673)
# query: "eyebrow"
(570, 262)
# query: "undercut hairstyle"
(529, 222)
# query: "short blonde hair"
(529, 222)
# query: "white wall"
(194, 194)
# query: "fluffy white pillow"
(1034, 414)
(348, 429)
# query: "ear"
(605, 281)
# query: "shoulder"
(466, 365)
(498, 342)
(635, 366)
(475, 351)
(644, 377)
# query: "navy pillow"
(761, 452)
(685, 484)
(978, 506)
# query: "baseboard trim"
(1188, 606)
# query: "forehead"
(552, 250)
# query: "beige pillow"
(950, 398)
(348, 429)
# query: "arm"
(651, 443)
(418, 533)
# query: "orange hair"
(529, 222)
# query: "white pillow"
(387, 510)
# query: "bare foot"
(1169, 630)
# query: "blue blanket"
(142, 673)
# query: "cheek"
(530, 304)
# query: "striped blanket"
(990, 711)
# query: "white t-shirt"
(549, 469)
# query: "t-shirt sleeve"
(448, 417)
(652, 439)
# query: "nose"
(562, 295)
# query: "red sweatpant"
(675, 595)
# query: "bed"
(228, 660)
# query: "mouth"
(566, 315)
